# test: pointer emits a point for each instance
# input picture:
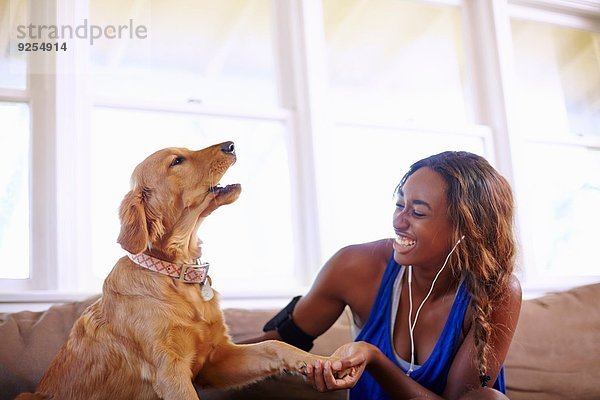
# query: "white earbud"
(411, 324)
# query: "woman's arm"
(316, 311)
(313, 314)
(350, 277)
(464, 374)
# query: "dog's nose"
(228, 147)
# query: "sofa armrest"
(555, 351)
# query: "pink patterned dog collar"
(189, 273)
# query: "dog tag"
(206, 290)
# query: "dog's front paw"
(298, 368)
(301, 367)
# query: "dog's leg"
(232, 365)
(178, 388)
(173, 376)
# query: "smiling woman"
(454, 253)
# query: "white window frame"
(59, 188)
(57, 181)
(580, 14)
(61, 142)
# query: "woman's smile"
(403, 244)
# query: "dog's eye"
(178, 160)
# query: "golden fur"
(151, 335)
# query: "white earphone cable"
(412, 325)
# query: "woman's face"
(421, 221)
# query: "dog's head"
(173, 190)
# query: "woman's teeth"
(405, 242)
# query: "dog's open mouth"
(225, 194)
(222, 195)
(222, 190)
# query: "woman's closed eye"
(418, 214)
(413, 211)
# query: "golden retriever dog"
(158, 327)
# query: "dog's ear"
(134, 228)
(154, 216)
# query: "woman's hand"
(343, 374)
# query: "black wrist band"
(290, 333)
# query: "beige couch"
(555, 353)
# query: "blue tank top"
(433, 373)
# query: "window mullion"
(300, 49)
(489, 53)
(59, 154)
(490, 58)
(43, 190)
(72, 153)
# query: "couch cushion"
(556, 349)
(29, 341)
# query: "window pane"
(565, 214)
(13, 63)
(14, 191)
(558, 80)
(254, 231)
(203, 51)
(360, 172)
(395, 59)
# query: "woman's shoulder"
(514, 293)
(363, 254)
(508, 304)
(514, 286)
(360, 262)
(353, 274)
